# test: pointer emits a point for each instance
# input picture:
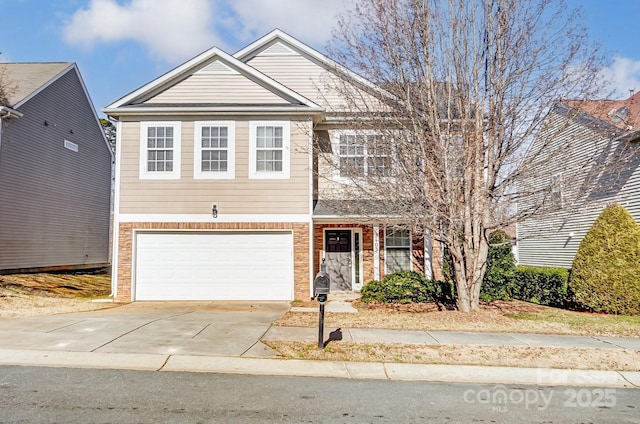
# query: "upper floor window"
(397, 248)
(362, 155)
(557, 197)
(214, 150)
(160, 150)
(269, 149)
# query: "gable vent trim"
(278, 49)
(217, 68)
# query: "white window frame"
(286, 151)
(230, 173)
(557, 190)
(386, 247)
(367, 156)
(177, 144)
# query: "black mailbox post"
(321, 288)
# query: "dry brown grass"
(506, 356)
(511, 317)
(46, 294)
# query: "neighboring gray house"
(55, 171)
(606, 136)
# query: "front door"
(338, 253)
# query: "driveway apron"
(185, 328)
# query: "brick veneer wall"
(367, 246)
(300, 248)
(367, 250)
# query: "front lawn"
(499, 316)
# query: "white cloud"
(172, 30)
(308, 20)
(622, 75)
(175, 30)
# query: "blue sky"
(120, 45)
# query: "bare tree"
(470, 83)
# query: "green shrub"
(501, 268)
(406, 287)
(605, 276)
(545, 286)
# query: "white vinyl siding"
(552, 239)
(160, 150)
(269, 149)
(214, 150)
(397, 250)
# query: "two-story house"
(586, 156)
(220, 193)
(55, 171)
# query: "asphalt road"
(64, 395)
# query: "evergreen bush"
(605, 276)
(406, 287)
(501, 268)
(545, 286)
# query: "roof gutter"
(208, 110)
(631, 137)
(7, 112)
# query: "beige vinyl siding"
(311, 80)
(552, 239)
(216, 88)
(236, 196)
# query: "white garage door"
(214, 266)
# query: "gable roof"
(278, 35)
(25, 80)
(133, 102)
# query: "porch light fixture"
(214, 210)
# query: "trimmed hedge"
(406, 287)
(605, 276)
(501, 268)
(542, 285)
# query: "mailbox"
(321, 284)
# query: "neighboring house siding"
(215, 88)
(553, 238)
(240, 195)
(55, 206)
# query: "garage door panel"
(214, 266)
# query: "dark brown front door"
(338, 252)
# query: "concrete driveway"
(169, 328)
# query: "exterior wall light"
(214, 211)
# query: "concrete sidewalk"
(226, 337)
(370, 335)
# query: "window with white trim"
(557, 196)
(397, 250)
(269, 149)
(362, 155)
(160, 150)
(214, 150)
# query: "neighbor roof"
(22, 80)
(623, 114)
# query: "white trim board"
(207, 218)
